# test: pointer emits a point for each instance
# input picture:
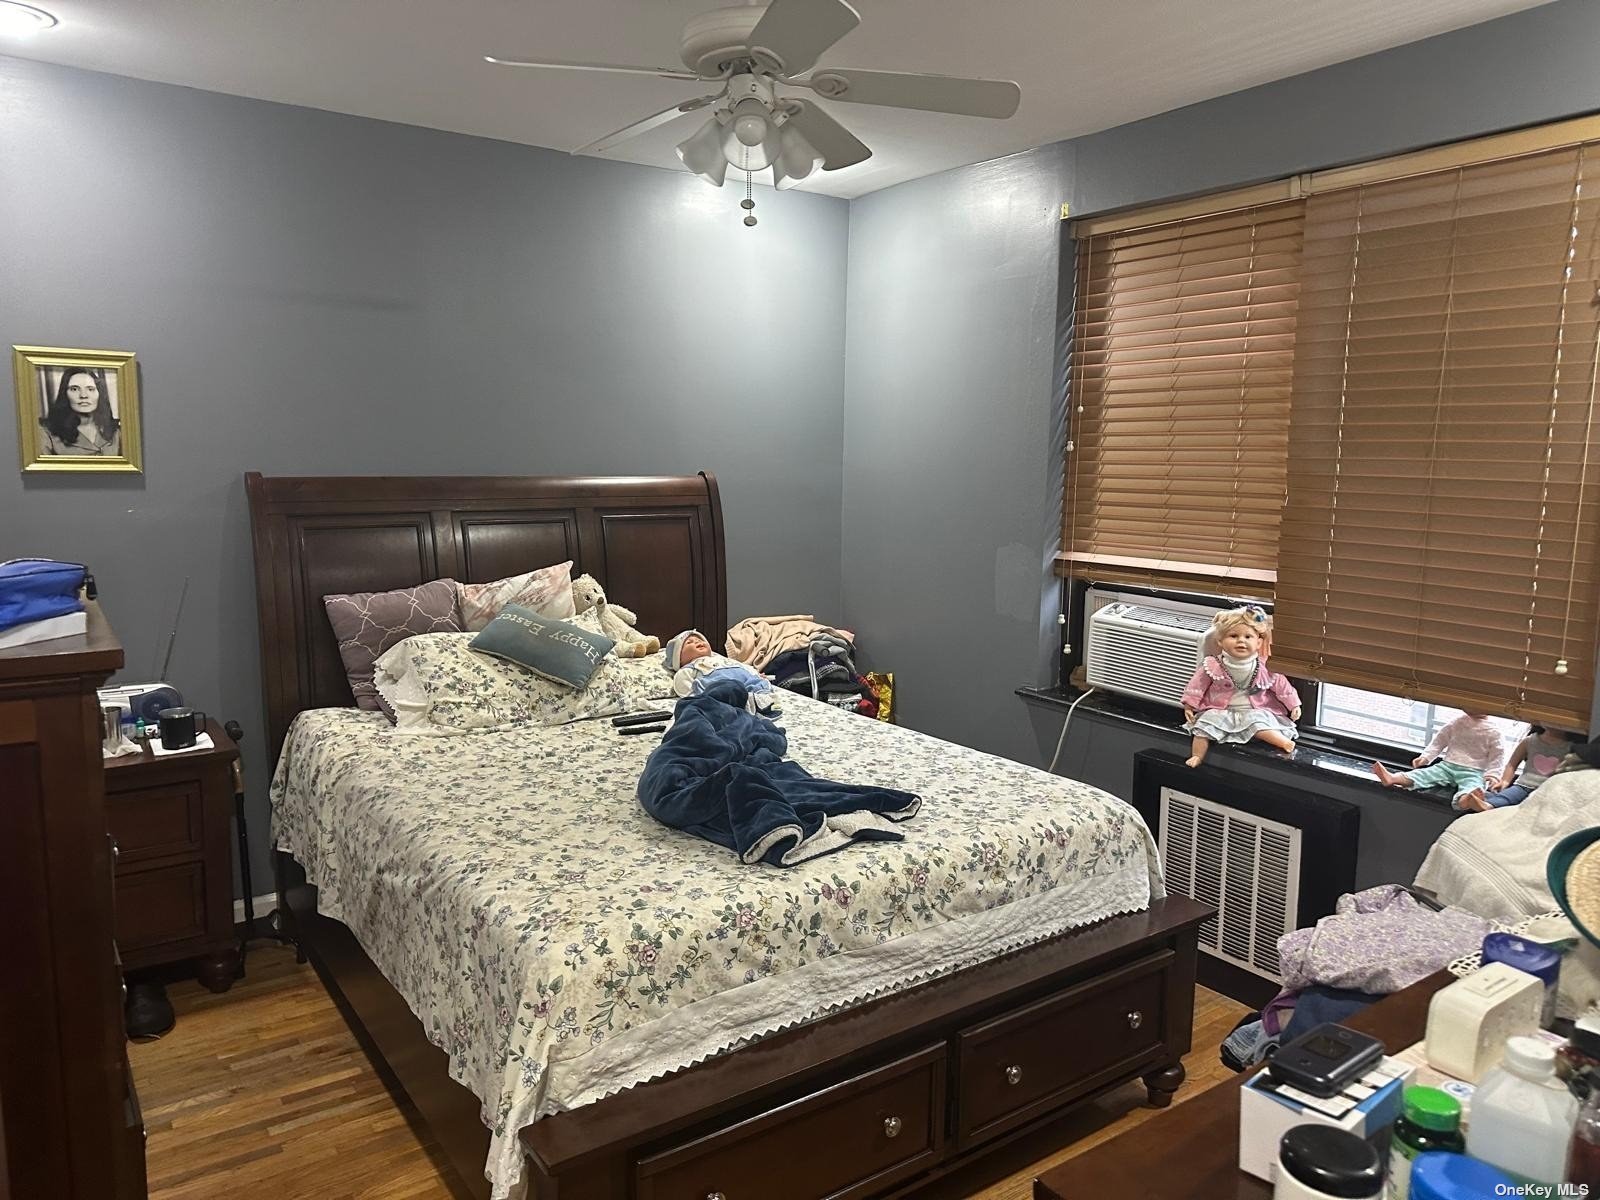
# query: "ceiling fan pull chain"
(748, 203)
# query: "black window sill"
(1309, 761)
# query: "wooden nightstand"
(174, 870)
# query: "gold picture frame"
(57, 429)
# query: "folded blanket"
(759, 640)
(1493, 863)
(720, 774)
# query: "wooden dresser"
(70, 1127)
(170, 816)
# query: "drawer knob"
(1135, 1019)
(892, 1127)
(1013, 1075)
(715, 1196)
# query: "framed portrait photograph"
(77, 410)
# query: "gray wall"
(952, 373)
(319, 294)
(315, 293)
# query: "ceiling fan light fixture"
(750, 128)
(703, 153)
(743, 157)
(797, 158)
(752, 118)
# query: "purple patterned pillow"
(368, 623)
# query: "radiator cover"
(1246, 866)
(1247, 846)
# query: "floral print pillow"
(437, 683)
(547, 591)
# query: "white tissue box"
(1470, 1020)
(1269, 1109)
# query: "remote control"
(630, 729)
(639, 718)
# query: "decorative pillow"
(438, 684)
(369, 623)
(560, 650)
(547, 591)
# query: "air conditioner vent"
(1145, 650)
(1244, 865)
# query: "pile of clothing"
(1376, 942)
(724, 774)
(800, 655)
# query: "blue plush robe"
(719, 774)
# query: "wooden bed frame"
(874, 1101)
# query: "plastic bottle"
(1457, 1177)
(1583, 1160)
(1319, 1162)
(1430, 1120)
(1522, 1115)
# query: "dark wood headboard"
(653, 542)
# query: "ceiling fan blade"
(655, 121)
(935, 93)
(837, 145)
(559, 65)
(798, 31)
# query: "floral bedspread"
(511, 888)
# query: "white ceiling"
(1084, 65)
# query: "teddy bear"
(615, 621)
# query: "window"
(1392, 721)
(1440, 532)
(1183, 348)
(1385, 422)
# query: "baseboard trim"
(263, 905)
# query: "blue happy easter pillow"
(558, 650)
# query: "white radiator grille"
(1145, 651)
(1247, 867)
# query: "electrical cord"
(1065, 725)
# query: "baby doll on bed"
(693, 665)
(1233, 697)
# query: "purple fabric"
(368, 623)
(1275, 1016)
(1378, 941)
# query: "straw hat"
(1573, 872)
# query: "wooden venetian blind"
(1183, 347)
(1440, 534)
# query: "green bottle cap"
(1432, 1109)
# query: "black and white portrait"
(77, 410)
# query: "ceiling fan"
(752, 51)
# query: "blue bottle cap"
(1440, 1175)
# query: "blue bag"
(35, 589)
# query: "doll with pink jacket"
(1233, 697)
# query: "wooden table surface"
(1192, 1151)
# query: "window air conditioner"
(1147, 648)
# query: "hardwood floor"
(263, 1092)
